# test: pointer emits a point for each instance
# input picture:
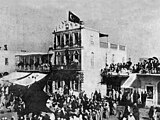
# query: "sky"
(28, 24)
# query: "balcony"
(33, 68)
(67, 67)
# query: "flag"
(73, 18)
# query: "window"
(67, 39)
(6, 61)
(58, 58)
(76, 38)
(55, 42)
(106, 58)
(123, 60)
(62, 40)
(71, 39)
(103, 45)
(92, 59)
(76, 55)
(114, 46)
(62, 59)
(113, 58)
(149, 92)
(76, 85)
(58, 40)
(121, 47)
(91, 40)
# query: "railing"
(67, 67)
(39, 68)
(113, 46)
(68, 46)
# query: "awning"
(14, 76)
(131, 82)
(34, 77)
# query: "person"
(106, 111)
(131, 117)
(151, 112)
(145, 97)
(155, 114)
(110, 94)
(142, 98)
(136, 111)
(126, 112)
(136, 96)
(114, 108)
(128, 64)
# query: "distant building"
(33, 62)
(84, 51)
(7, 61)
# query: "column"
(79, 85)
(53, 86)
(73, 38)
(71, 85)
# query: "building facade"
(151, 84)
(33, 62)
(85, 51)
(7, 61)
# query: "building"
(145, 82)
(7, 61)
(33, 62)
(82, 52)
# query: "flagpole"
(67, 14)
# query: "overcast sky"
(28, 24)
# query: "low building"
(33, 62)
(149, 83)
(7, 61)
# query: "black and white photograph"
(79, 59)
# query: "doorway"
(158, 89)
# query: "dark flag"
(73, 18)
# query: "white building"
(93, 52)
(7, 61)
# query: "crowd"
(146, 66)
(150, 65)
(66, 105)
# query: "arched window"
(62, 40)
(76, 38)
(67, 39)
(58, 40)
(123, 60)
(76, 55)
(113, 58)
(58, 58)
(92, 59)
(71, 39)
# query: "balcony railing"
(67, 67)
(31, 68)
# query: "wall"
(150, 80)
(118, 55)
(91, 43)
(92, 77)
(11, 61)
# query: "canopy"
(32, 78)
(131, 82)
(14, 76)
